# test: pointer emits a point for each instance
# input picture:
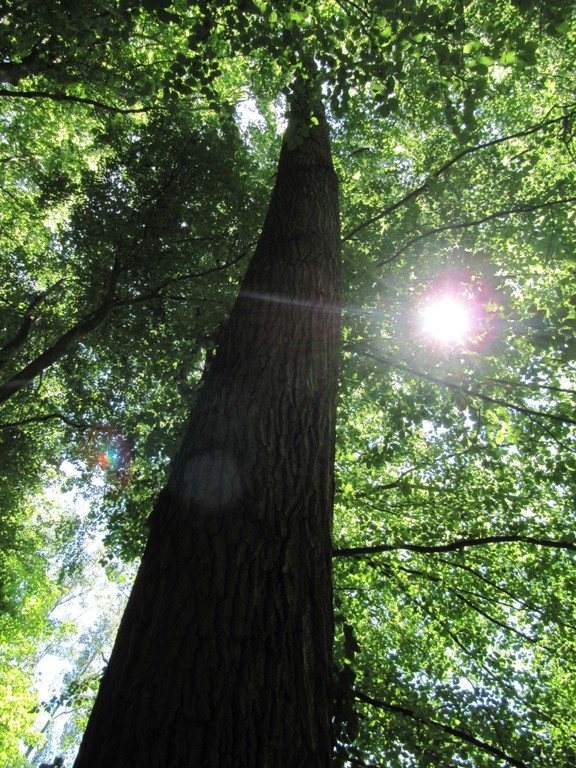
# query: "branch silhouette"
(458, 733)
(457, 544)
(449, 164)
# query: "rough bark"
(223, 657)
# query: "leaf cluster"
(132, 193)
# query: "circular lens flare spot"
(105, 447)
(448, 320)
(111, 458)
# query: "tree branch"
(457, 544)
(26, 375)
(461, 594)
(19, 339)
(526, 208)
(561, 418)
(72, 99)
(449, 164)
(531, 385)
(48, 417)
(430, 723)
(83, 327)
(15, 158)
(528, 607)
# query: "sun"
(448, 320)
(458, 312)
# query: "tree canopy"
(137, 150)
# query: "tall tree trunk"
(223, 657)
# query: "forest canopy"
(138, 148)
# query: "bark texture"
(223, 657)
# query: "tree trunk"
(223, 657)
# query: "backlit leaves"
(130, 203)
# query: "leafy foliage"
(133, 187)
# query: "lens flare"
(459, 311)
(106, 448)
(110, 458)
(448, 319)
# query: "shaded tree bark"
(223, 657)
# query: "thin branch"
(361, 11)
(386, 211)
(531, 385)
(73, 99)
(526, 208)
(561, 418)
(205, 272)
(429, 722)
(157, 294)
(47, 417)
(461, 594)
(525, 606)
(423, 463)
(86, 325)
(14, 158)
(436, 612)
(449, 164)
(453, 546)
(23, 332)
(547, 431)
(17, 340)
